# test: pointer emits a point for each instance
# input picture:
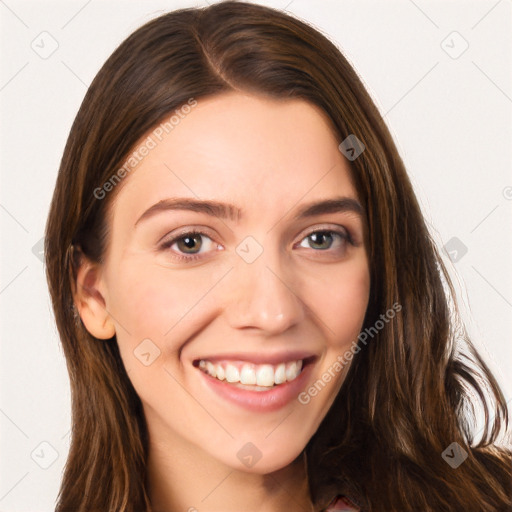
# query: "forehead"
(262, 153)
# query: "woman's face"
(270, 280)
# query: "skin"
(269, 158)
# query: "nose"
(262, 296)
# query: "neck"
(183, 479)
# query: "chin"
(269, 461)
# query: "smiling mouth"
(254, 377)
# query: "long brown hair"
(408, 394)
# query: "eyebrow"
(232, 212)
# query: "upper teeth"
(253, 374)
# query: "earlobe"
(90, 302)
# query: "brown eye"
(189, 243)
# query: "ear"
(90, 301)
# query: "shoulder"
(340, 504)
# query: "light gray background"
(450, 115)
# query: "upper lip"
(261, 358)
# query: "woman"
(253, 312)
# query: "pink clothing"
(339, 504)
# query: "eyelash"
(344, 235)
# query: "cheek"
(136, 301)
(147, 301)
(155, 310)
(340, 300)
(155, 302)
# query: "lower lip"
(260, 401)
